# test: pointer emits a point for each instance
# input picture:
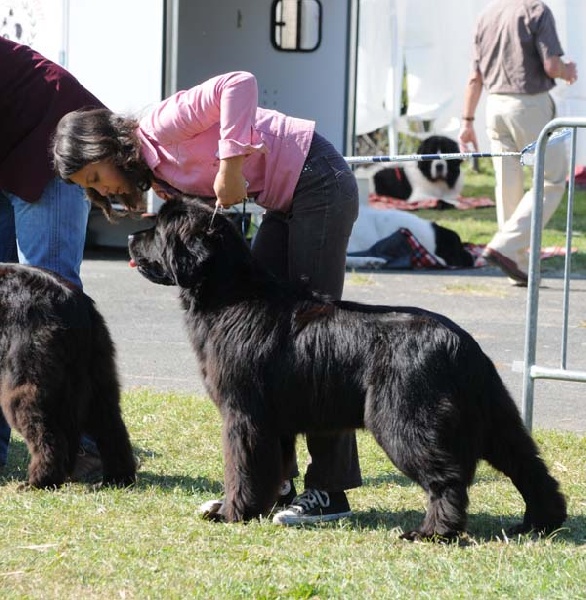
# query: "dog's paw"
(212, 510)
(27, 486)
(436, 538)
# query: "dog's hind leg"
(420, 442)
(511, 449)
(45, 440)
(106, 426)
(103, 416)
(111, 436)
(441, 476)
(253, 467)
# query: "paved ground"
(146, 323)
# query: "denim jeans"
(309, 243)
(49, 233)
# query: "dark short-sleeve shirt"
(34, 94)
(512, 40)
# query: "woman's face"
(104, 177)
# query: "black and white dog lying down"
(414, 181)
(279, 360)
(373, 226)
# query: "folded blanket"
(402, 250)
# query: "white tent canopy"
(434, 41)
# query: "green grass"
(148, 542)
(478, 226)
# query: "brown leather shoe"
(506, 265)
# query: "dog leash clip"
(213, 217)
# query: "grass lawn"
(148, 542)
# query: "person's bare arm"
(230, 185)
(556, 68)
(472, 93)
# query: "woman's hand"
(229, 184)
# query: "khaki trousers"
(513, 122)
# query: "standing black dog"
(279, 360)
(58, 377)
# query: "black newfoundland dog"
(279, 360)
(58, 377)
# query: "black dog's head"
(186, 240)
(440, 169)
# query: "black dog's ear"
(186, 260)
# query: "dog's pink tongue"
(132, 263)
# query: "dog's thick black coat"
(58, 377)
(279, 360)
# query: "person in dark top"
(43, 219)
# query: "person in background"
(517, 56)
(42, 219)
(214, 141)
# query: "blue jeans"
(49, 233)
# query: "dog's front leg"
(253, 467)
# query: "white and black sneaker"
(212, 510)
(314, 506)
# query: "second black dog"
(58, 377)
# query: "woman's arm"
(228, 100)
(227, 105)
(230, 185)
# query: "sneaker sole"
(309, 520)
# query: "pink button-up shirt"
(186, 135)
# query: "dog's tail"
(510, 448)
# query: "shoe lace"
(309, 499)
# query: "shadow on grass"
(147, 479)
(18, 460)
(482, 527)
(396, 478)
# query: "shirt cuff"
(229, 148)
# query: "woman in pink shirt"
(214, 141)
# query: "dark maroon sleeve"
(36, 93)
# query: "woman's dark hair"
(86, 136)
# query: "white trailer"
(339, 62)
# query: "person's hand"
(230, 184)
(467, 137)
(570, 72)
